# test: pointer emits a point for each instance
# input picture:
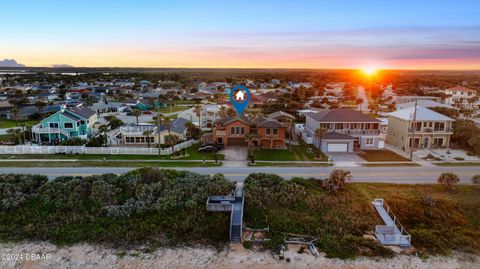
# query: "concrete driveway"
(235, 153)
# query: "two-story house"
(431, 129)
(271, 133)
(208, 115)
(344, 130)
(239, 131)
(144, 135)
(65, 124)
(461, 97)
(232, 131)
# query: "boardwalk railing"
(34, 149)
(393, 231)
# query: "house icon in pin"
(240, 96)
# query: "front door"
(425, 142)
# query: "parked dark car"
(218, 146)
(208, 148)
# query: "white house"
(208, 115)
(461, 97)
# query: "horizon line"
(243, 68)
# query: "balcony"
(431, 130)
(355, 131)
(38, 129)
(220, 133)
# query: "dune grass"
(439, 221)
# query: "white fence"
(27, 149)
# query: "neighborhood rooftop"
(423, 114)
(340, 115)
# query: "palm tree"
(16, 134)
(104, 129)
(337, 179)
(40, 105)
(148, 133)
(23, 131)
(28, 130)
(255, 114)
(472, 100)
(159, 123)
(198, 110)
(15, 112)
(170, 104)
(319, 134)
(251, 138)
(230, 112)
(168, 125)
(190, 127)
(223, 111)
(289, 124)
(136, 113)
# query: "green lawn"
(382, 156)
(389, 164)
(191, 154)
(4, 123)
(288, 164)
(185, 102)
(6, 137)
(110, 163)
(174, 109)
(458, 164)
(302, 152)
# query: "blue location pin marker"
(239, 96)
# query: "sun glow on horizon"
(369, 70)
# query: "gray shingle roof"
(340, 115)
(84, 112)
(269, 123)
(70, 116)
(280, 114)
(227, 120)
(339, 136)
(178, 125)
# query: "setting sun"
(369, 70)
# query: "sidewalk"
(407, 155)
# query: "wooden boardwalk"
(392, 233)
(237, 215)
(232, 204)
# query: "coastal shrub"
(336, 180)
(268, 190)
(476, 180)
(143, 207)
(300, 206)
(344, 222)
(15, 190)
(448, 180)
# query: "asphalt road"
(405, 175)
(362, 95)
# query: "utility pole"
(158, 126)
(412, 146)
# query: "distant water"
(9, 72)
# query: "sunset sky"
(272, 34)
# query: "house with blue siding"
(68, 123)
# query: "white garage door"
(337, 147)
